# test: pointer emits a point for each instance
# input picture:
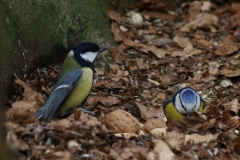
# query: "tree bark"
(3, 151)
(37, 33)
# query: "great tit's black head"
(85, 53)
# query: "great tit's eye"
(95, 49)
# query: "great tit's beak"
(102, 49)
(188, 113)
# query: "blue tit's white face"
(187, 101)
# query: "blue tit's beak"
(102, 49)
(188, 113)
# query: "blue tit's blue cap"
(188, 97)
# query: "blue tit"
(182, 103)
(74, 82)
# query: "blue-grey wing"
(60, 92)
(166, 103)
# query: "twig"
(58, 130)
(180, 79)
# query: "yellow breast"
(79, 93)
(171, 112)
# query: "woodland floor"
(163, 47)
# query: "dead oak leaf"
(30, 96)
(115, 16)
(20, 144)
(193, 10)
(84, 117)
(159, 52)
(108, 85)
(62, 154)
(152, 124)
(157, 15)
(187, 46)
(99, 72)
(117, 55)
(92, 101)
(235, 20)
(234, 106)
(114, 67)
(118, 76)
(116, 32)
(235, 7)
(175, 139)
(162, 150)
(141, 65)
(206, 6)
(228, 47)
(196, 138)
(150, 112)
(204, 21)
(230, 73)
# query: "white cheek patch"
(178, 105)
(198, 104)
(89, 56)
(62, 86)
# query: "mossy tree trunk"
(41, 32)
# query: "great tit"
(74, 82)
(182, 103)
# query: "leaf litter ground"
(161, 48)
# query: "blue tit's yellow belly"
(79, 93)
(171, 112)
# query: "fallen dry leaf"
(234, 106)
(115, 16)
(206, 6)
(159, 132)
(159, 52)
(61, 155)
(187, 46)
(118, 76)
(235, 7)
(92, 101)
(149, 112)
(116, 32)
(152, 124)
(18, 143)
(99, 72)
(126, 135)
(204, 21)
(85, 117)
(175, 139)
(162, 150)
(114, 67)
(230, 73)
(157, 15)
(117, 55)
(237, 145)
(196, 138)
(31, 97)
(150, 5)
(193, 10)
(162, 42)
(228, 47)
(140, 63)
(109, 85)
